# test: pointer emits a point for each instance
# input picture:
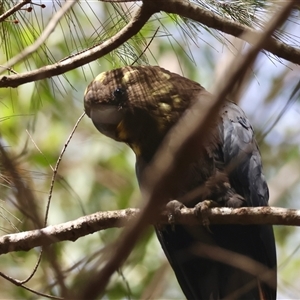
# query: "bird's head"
(138, 105)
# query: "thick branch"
(193, 11)
(72, 230)
(149, 7)
(132, 28)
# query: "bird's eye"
(119, 96)
(119, 92)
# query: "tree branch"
(72, 230)
(133, 27)
(14, 9)
(43, 37)
(148, 8)
(205, 17)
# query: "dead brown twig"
(14, 9)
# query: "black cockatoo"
(138, 106)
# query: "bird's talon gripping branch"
(173, 209)
(201, 211)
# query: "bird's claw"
(201, 211)
(173, 209)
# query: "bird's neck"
(146, 146)
(144, 138)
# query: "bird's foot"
(201, 211)
(173, 209)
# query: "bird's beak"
(106, 118)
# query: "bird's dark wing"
(242, 159)
(240, 153)
(236, 153)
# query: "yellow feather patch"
(165, 90)
(85, 91)
(164, 107)
(176, 101)
(128, 75)
(100, 77)
(122, 132)
(136, 149)
(165, 75)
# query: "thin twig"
(148, 45)
(195, 12)
(20, 283)
(13, 9)
(43, 37)
(57, 166)
(37, 147)
(133, 27)
(9, 70)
